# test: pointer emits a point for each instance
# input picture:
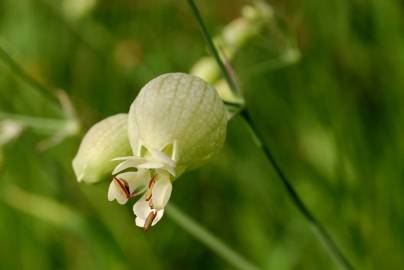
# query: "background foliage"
(334, 120)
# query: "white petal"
(141, 208)
(125, 165)
(128, 176)
(136, 179)
(151, 165)
(159, 215)
(126, 158)
(141, 222)
(170, 170)
(162, 157)
(161, 193)
(115, 193)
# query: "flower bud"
(207, 69)
(104, 141)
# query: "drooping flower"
(176, 123)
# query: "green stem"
(43, 124)
(298, 202)
(20, 72)
(208, 239)
(258, 139)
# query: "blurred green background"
(334, 120)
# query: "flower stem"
(20, 72)
(298, 202)
(208, 238)
(258, 139)
(39, 123)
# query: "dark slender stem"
(20, 72)
(297, 201)
(212, 48)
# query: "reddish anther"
(152, 181)
(151, 184)
(149, 220)
(122, 185)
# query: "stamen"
(148, 195)
(122, 185)
(151, 204)
(151, 185)
(153, 181)
(149, 220)
(134, 194)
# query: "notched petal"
(116, 192)
(161, 193)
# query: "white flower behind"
(104, 141)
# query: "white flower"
(176, 123)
